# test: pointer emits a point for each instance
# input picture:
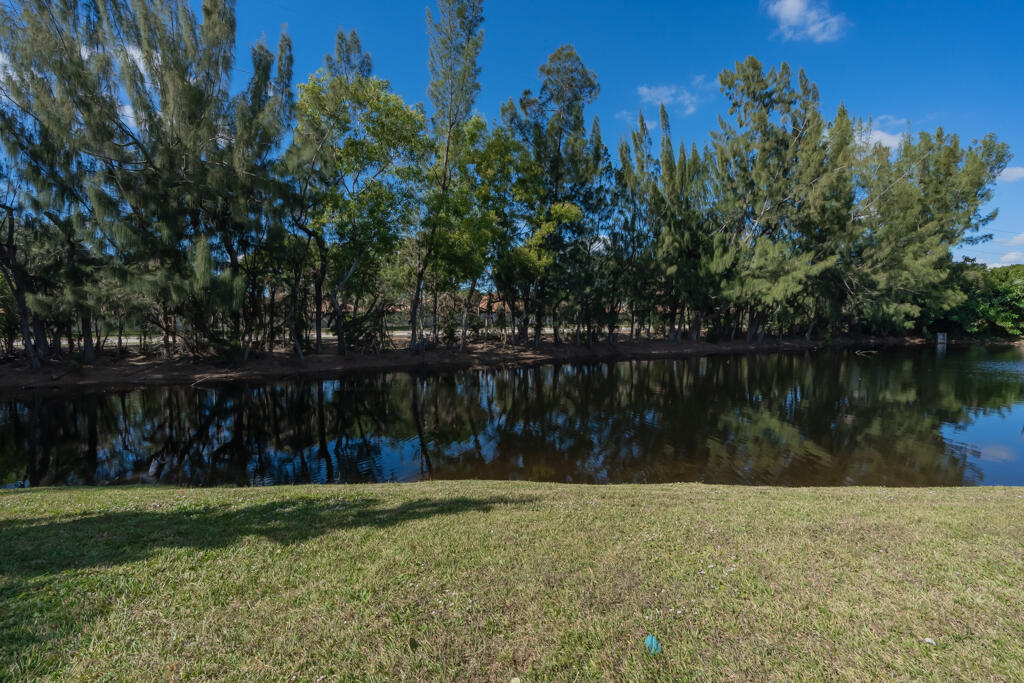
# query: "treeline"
(146, 194)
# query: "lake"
(920, 417)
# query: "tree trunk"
(318, 295)
(465, 314)
(292, 329)
(101, 339)
(167, 336)
(87, 345)
(698, 322)
(538, 326)
(16, 279)
(26, 336)
(414, 307)
(433, 324)
(672, 322)
(270, 320)
(339, 313)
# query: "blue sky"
(906, 65)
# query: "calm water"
(919, 417)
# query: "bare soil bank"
(111, 371)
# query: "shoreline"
(136, 370)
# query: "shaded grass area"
(490, 580)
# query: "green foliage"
(145, 188)
(994, 300)
(357, 148)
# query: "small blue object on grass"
(653, 646)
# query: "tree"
(550, 125)
(16, 266)
(363, 147)
(917, 205)
(760, 187)
(455, 43)
(686, 231)
(147, 185)
(994, 302)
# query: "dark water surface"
(920, 417)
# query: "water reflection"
(905, 418)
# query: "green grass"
(489, 580)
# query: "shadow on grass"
(45, 546)
(45, 605)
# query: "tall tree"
(310, 170)
(916, 205)
(551, 125)
(363, 148)
(456, 39)
(759, 188)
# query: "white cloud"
(1012, 257)
(889, 121)
(668, 95)
(656, 94)
(127, 114)
(133, 53)
(632, 119)
(996, 453)
(1012, 174)
(807, 20)
(701, 82)
(887, 130)
(1016, 240)
(890, 140)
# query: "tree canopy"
(147, 191)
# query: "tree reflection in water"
(784, 419)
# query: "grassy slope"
(489, 580)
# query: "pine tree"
(916, 206)
(455, 43)
(551, 125)
(759, 188)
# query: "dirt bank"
(138, 370)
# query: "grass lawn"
(495, 580)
